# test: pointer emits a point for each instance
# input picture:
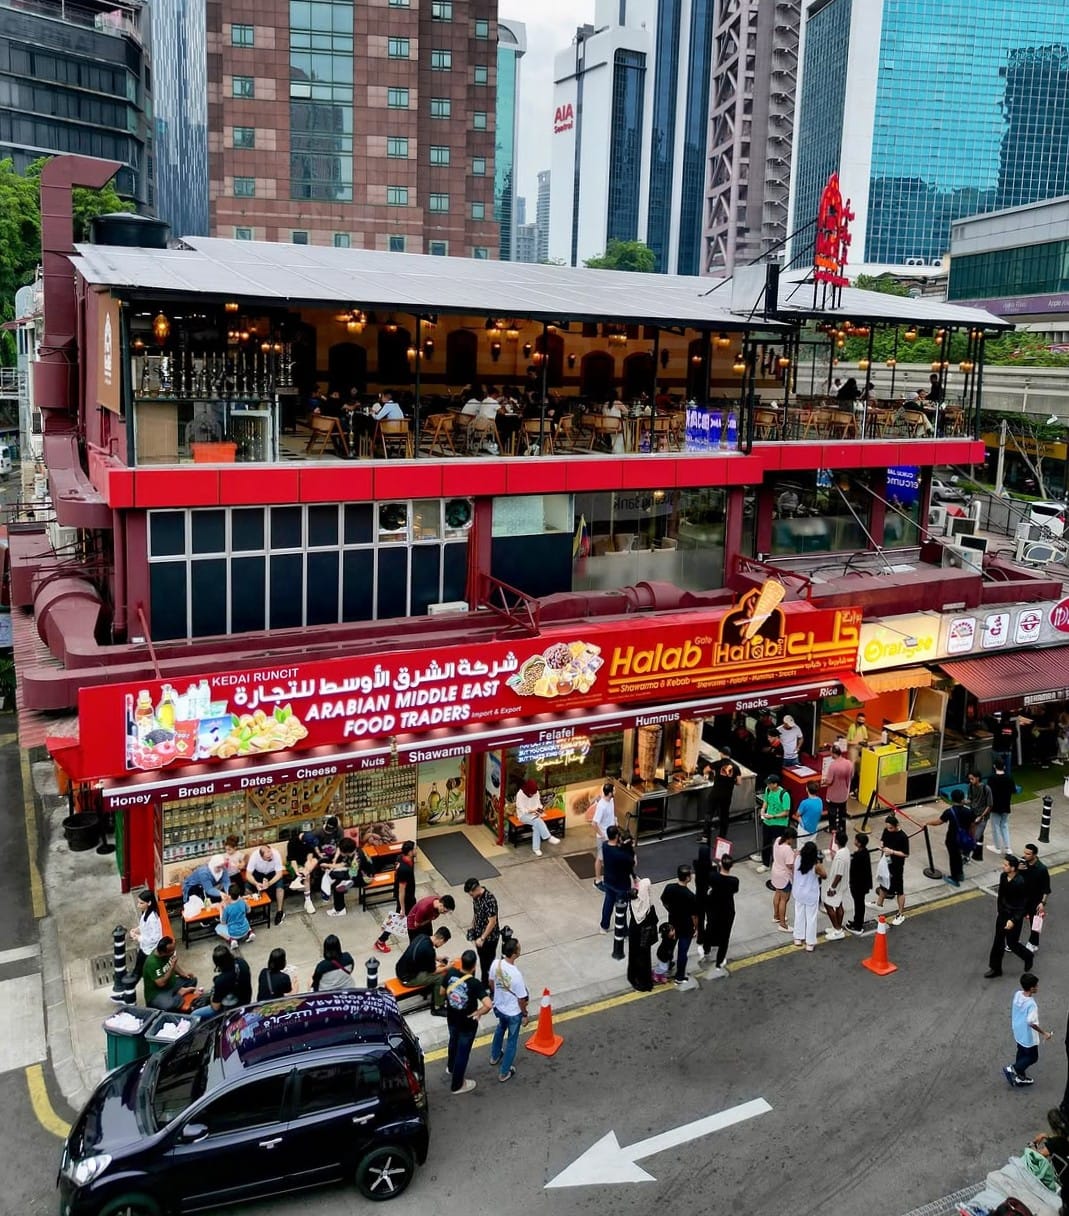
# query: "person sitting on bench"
(420, 965)
(166, 983)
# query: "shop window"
(358, 585)
(358, 523)
(287, 583)
(391, 581)
(441, 10)
(299, 236)
(397, 196)
(820, 512)
(322, 588)
(207, 599)
(438, 202)
(480, 253)
(167, 585)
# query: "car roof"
(286, 1026)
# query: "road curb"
(68, 1075)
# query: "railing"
(9, 376)
(115, 18)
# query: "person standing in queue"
(603, 818)
(485, 929)
(719, 917)
(895, 845)
(860, 882)
(509, 993)
(725, 778)
(466, 1000)
(958, 820)
(618, 857)
(837, 782)
(681, 904)
(775, 816)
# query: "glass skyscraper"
(972, 116)
(511, 44)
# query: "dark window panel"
(167, 585)
(357, 588)
(286, 528)
(287, 582)
(322, 526)
(322, 589)
(247, 575)
(209, 531)
(455, 572)
(167, 533)
(393, 582)
(247, 529)
(359, 524)
(208, 597)
(426, 563)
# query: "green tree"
(20, 232)
(883, 283)
(625, 255)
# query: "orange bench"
(401, 992)
(204, 922)
(555, 819)
(378, 887)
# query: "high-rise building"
(180, 114)
(526, 243)
(521, 210)
(354, 124)
(76, 77)
(755, 61)
(511, 45)
(979, 120)
(542, 216)
(630, 131)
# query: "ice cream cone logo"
(770, 597)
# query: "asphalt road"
(30, 1153)
(886, 1093)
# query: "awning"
(1010, 681)
(859, 687)
(899, 678)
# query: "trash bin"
(125, 1040)
(82, 831)
(157, 1041)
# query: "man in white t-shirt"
(264, 874)
(510, 1008)
(790, 735)
(489, 406)
(604, 818)
(471, 406)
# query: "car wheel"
(385, 1172)
(131, 1205)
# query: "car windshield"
(181, 1075)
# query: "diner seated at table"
(386, 409)
(490, 406)
(663, 400)
(471, 406)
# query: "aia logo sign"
(563, 118)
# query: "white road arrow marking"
(606, 1161)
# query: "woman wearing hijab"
(641, 938)
(529, 811)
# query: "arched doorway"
(597, 375)
(346, 368)
(461, 358)
(393, 356)
(638, 375)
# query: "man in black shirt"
(232, 985)
(485, 931)
(1037, 890)
(420, 964)
(958, 818)
(1009, 917)
(725, 778)
(681, 904)
(719, 915)
(466, 1000)
(618, 867)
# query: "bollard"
(931, 870)
(372, 966)
(619, 933)
(1044, 823)
(123, 988)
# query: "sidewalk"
(553, 913)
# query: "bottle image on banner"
(716, 428)
(144, 718)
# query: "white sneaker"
(898, 920)
(337, 912)
(761, 869)
(554, 840)
(719, 973)
(994, 848)
(536, 852)
(309, 907)
(297, 884)
(686, 985)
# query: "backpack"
(338, 977)
(966, 841)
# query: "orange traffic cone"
(544, 1041)
(878, 962)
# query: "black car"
(274, 1097)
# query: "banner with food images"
(759, 642)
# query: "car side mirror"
(192, 1132)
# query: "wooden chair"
(662, 436)
(394, 433)
(608, 428)
(565, 437)
(953, 421)
(811, 421)
(531, 428)
(483, 430)
(916, 423)
(324, 431)
(437, 432)
(841, 424)
(765, 424)
(462, 430)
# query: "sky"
(551, 26)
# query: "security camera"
(1053, 419)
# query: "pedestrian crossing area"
(22, 1023)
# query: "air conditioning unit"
(937, 521)
(448, 607)
(36, 422)
(62, 538)
(957, 557)
(1037, 553)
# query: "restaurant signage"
(328, 703)
(1059, 616)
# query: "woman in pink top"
(781, 876)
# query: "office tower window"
(397, 48)
(441, 10)
(438, 202)
(480, 253)
(478, 120)
(625, 144)
(299, 236)
(662, 144)
(481, 74)
(243, 86)
(244, 187)
(342, 240)
(321, 100)
(478, 166)
(695, 133)
(438, 249)
(242, 234)
(439, 154)
(397, 147)
(397, 99)
(244, 137)
(396, 244)
(442, 61)
(242, 35)
(482, 28)
(441, 107)
(478, 211)
(400, 4)
(397, 196)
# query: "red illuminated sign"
(833, 236)
(348, 702)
